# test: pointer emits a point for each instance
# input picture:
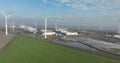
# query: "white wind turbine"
(45, 19)
(36, 25)
(6, 19)
(101, 27)
(13, 26)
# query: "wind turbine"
(101, 27)
(36, 25)
(55, 26)
(6, 19)
(78, 27)
(13, 26)
(45, 19)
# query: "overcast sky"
(72, 12)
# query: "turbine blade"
(3, 13)
(9, 15)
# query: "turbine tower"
(45, 19)
(6, 19)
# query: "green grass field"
(28, 50)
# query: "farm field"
(29, 50)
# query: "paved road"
(4, 40)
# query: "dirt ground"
(4, 40)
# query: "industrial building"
(65, 31)
(71, 33)
(48, 32)
(28, 29)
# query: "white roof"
(117, 36)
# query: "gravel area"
(100, 44)
(4, 40)
(95, 43)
